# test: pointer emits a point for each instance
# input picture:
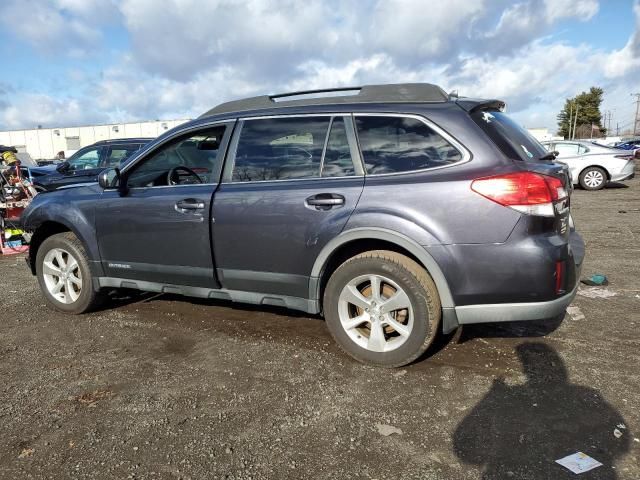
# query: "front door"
(160, 230)
(288, 190)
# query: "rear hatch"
(528, 154)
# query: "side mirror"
(109, 179)
(63, 167)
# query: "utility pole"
(575, 121)
(617, 129)
(635, 120)
(570, 117)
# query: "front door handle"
(325, 201)
(189, 204)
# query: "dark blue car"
(85, 165)
(396, 212)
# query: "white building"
(45, 143)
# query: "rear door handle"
(189, 204)
(325, 201)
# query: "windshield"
(514, 140)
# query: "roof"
(123, 140)
(393, 93)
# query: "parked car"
(85, 165)
(396, 212)
(592, 166)
(629, 145)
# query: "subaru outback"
(395, 211)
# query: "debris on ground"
(617, 433)
(575, 313)
(595, 292)
(26, 452)
(386, 430)
(90, 398)
(595, 280)
(579, 462)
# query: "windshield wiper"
(549, 156)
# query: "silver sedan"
(591, 165)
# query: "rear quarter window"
(402, 144)
(510, 137)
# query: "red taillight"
(559, 277)
(527, 192)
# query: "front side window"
(188, 160)
(280, 149)
(402, 144)
(86, 160)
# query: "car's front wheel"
(382, 308)
(593, 178)
(64, 276)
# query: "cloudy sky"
(72, 62)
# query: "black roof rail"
(392, 93)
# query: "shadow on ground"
(519, 431)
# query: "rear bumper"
(510, 312)
(626, 173)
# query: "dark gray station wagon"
(396, 211)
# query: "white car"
(591, 165)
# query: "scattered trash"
(401, 373)
(595, 292)
(579, 462)
(596, 280)
(575, 313)
(26, 452)
(621, 426)
(617, 433)
(386, 430)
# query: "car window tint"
(566, 149)
(510, 137)
(337, 157)
(118, 154)
(582, 149)
(402, 144)
(280, 149)
(86, 160)
(197, 152)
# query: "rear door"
(160, 230)
(289, 187)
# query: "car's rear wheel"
(64, 276)
(593, 178)
(382, 308)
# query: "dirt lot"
(166, 387)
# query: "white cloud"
(31, 110)
(188, 55)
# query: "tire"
(406, 332)
(63, 292)
(593, 178)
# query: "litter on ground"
(579, 462)
(575, 313)
(595, 292)
(596, 279)
(386, 430)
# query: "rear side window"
(402, 144)
(337, 158)
(280, 149)
(567, 149)
(511, 138)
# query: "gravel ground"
(167, 387)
